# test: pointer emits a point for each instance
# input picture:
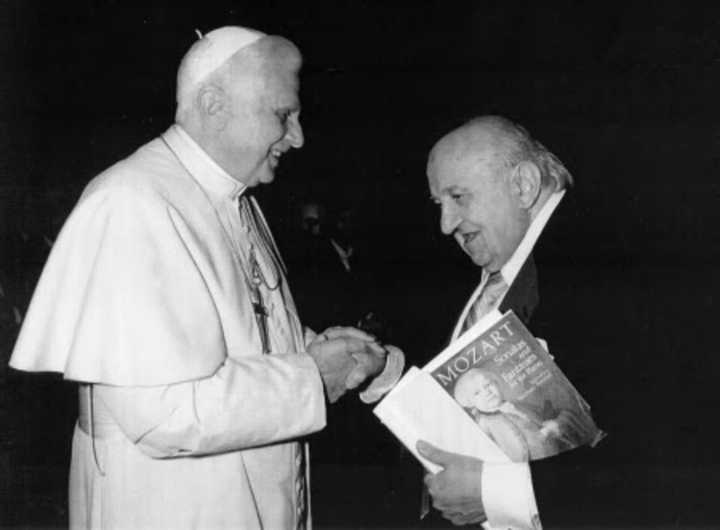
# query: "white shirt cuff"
(508, 497)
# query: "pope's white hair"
(205, 62)
(218, 61)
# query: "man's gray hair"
(519, 146)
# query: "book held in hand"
(495, 394)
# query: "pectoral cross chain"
(261, 315)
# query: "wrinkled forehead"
(266, 78)
(459, 164)
(466, 145)
(282, 77)
(279, 63)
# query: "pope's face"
(486, 396)
(264, 124)
(478, 206)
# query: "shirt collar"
(214, 179)
(511, 269)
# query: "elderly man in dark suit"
(497, 189)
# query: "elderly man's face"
(478, 205)
(264, 124)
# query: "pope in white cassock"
(165, 298)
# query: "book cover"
(418, 408)
(507, 383)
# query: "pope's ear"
(526, 182)
(212, 101)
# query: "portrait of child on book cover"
(510, 386)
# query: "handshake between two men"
(347, 357)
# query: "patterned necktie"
(494, 289)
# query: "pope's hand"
(338, 352)
(456, 490)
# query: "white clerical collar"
(511, 269)
(214, 179)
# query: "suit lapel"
(523, 295)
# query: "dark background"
(626, 96)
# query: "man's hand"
(391, 373)
(456, 490)
(369, 363)
(338, 352)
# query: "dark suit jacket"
(568, 299)
(576, 304)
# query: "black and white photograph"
(230, 230)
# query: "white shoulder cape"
(124, 298)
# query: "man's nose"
(295, 133)
(449, 220)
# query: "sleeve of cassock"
(248, 403)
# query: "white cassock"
(147, 295)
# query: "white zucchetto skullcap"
(210, 52)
